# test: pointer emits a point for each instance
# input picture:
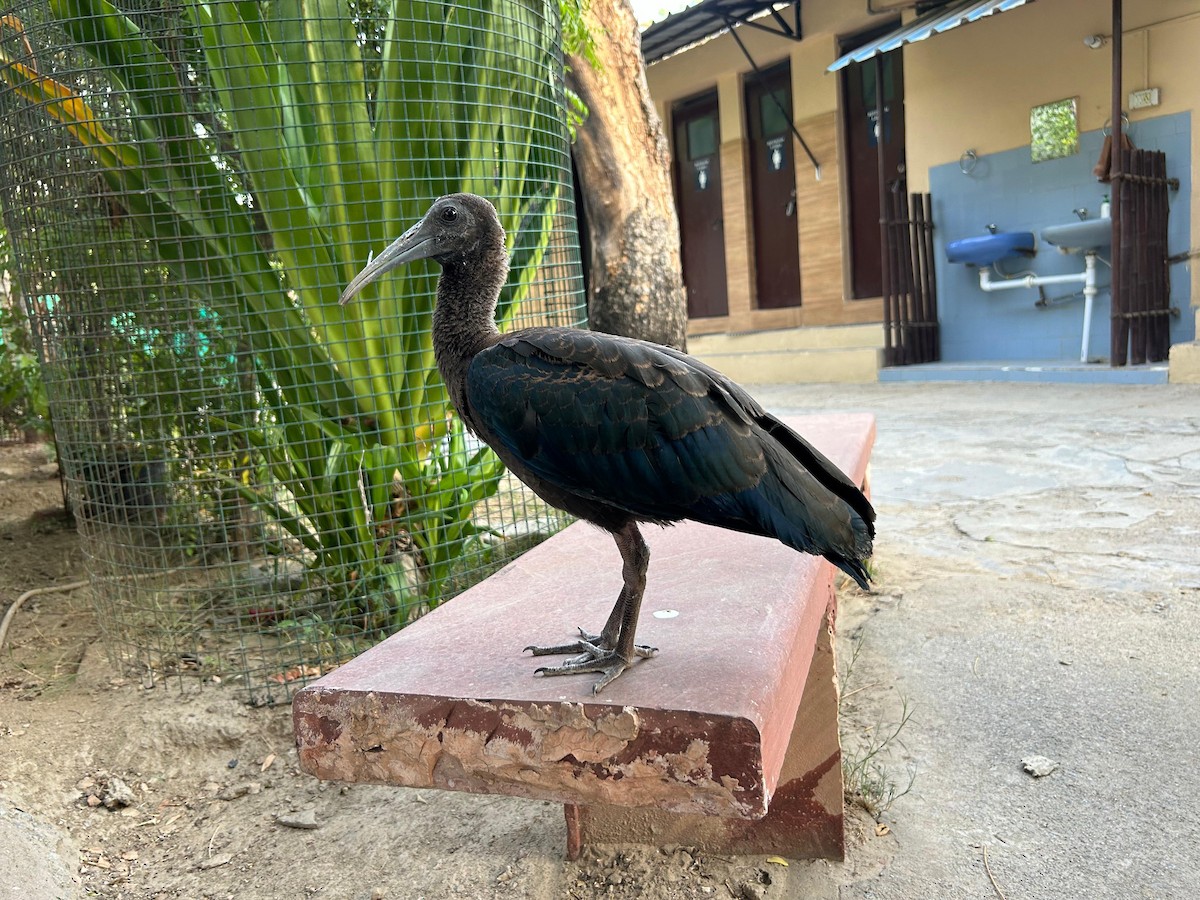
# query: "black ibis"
(617, 431)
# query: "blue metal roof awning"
(934, 22)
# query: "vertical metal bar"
(1150, 248)
(912, 202)
(1161, 347)
(907, 281)
(893, 282)
(1164, 219)
(935, 328)
(920, 239)
(899, 273)
(908, 275)
(1119, 322)
(926, 278)
(1154, 297)
(1131, 274)
(1138, 236)
(896, 272)
(1149, 242)
(1123, 259)
(889, 351)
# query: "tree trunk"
(636, 278)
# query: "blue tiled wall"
(1008, 190)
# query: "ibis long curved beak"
(416, 243)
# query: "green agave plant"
(273, 149)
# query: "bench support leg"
(805, 817)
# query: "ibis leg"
(612, 651)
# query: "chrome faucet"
(1081, 212)
(991, 228)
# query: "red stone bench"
(726, 740)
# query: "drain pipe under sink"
(1087, 278)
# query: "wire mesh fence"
(24, 417)
(265, 482)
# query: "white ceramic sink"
(1090, 234)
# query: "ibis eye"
(449, 214)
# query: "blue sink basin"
(990, 248)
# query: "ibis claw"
(609, 666)
(593, 658)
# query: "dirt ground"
(119, 791)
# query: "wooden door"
(860, 110)
(697, 166)
(773, 188)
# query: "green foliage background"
(249, 154)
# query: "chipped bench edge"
(565, 752)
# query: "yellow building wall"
(968, 88)
(719, 64)
(973, 87)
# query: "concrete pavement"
(1038, 594)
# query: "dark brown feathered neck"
(464, 320)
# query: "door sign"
(702, 177)
(873, 126)
(776, 152)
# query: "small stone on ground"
(1039, 766)
(305, 819)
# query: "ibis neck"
(464, 320)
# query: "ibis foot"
(609, 664)
(589, 647)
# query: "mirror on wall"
(1054, 130)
